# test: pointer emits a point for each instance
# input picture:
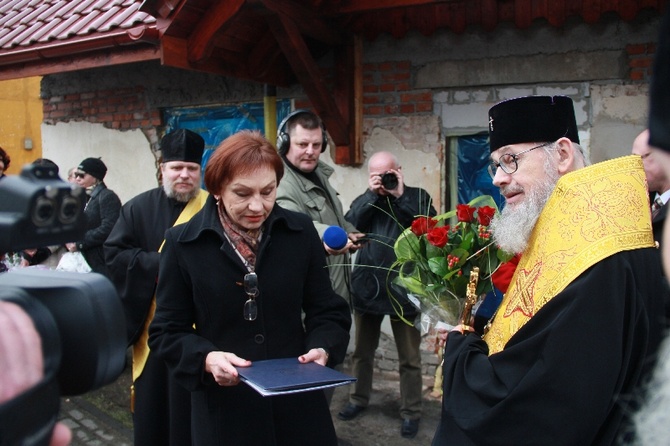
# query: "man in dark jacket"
(161, 412)
(383, 211)
(658, 182)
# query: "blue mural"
(215, 124)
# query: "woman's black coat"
(102, 211)
(200, 282)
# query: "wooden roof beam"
(306, 20)
(306, 70)
(218, 17)
(266, 57)
(349, 6)
(76, 62)
(348, 94)
(174, 54)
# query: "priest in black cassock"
(161, 408)
(564, 357)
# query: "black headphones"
(284, 140)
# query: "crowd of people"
(214, 280)
(101, 212)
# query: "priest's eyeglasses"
(509, 162)
(251, 288)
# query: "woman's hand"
(318, 355)
(222, 367)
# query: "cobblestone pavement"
(101, 418)
(92, 426)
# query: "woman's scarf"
(244, 241)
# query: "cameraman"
(22, 360)
(383, 212)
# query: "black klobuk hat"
(532, 119)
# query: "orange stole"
(594, 212)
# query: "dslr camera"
(78, 316)
(389, 181)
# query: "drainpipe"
(270, 112)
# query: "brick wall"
(640, 61)
(120, 109)
(387, 91)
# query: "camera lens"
(389, 181)
(44, 212)
(69, 210)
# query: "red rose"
(438, 236)
(465, 213)
(422, 225)
(485, 214)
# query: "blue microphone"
(335, 237)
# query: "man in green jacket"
(301, 138)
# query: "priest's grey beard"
(511, 228)
(182, 197)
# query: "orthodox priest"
(566, 354)
(161, 408)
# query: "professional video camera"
(78, 316)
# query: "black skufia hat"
(94, 167)
(532, 119)
(182, 145)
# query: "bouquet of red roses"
(436, 255)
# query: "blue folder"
(287, 375)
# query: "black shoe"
(350, 412)
(409, 428)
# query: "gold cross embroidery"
(522, 300)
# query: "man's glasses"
(251, 288)
(509, 162)
(79, 175)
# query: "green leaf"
(433, 251)
(407, 246)
(468, 240)
(462, 255)
(438, 265)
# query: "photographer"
(20, 341)
(383, 211)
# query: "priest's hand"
(443, 333)
(222, 366)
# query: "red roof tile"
(26, 22)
